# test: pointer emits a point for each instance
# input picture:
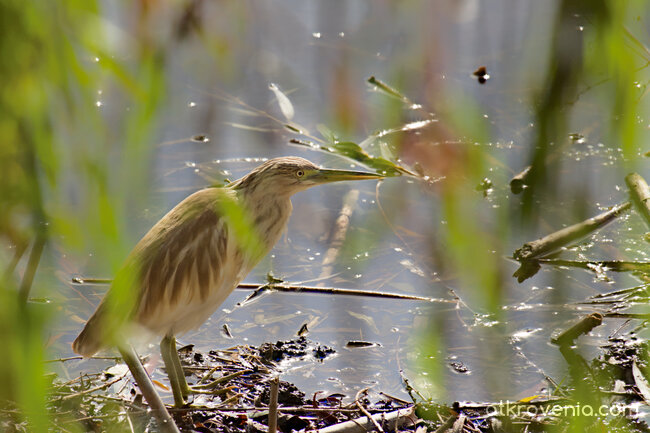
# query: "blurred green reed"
(56, 157)
(58, 152)
(608, 61)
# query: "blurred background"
(112, 112)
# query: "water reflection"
(219, 82)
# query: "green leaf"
(327, 133)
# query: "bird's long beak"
(324, 175)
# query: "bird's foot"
(202, 389)
(206, 390)
(181, 399)
(214, 387)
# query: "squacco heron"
(194, 257)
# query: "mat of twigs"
(242, 392)
(236, 391)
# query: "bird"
(192, 259)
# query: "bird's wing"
(182, 256)
(183, 251)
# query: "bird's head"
(288, 175)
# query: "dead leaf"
(641, 382)
(369, 320)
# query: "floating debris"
(520, 181)
(225, 331)
(486, 187)
(481, 74)
(357, 344)
(577, 138)
(200, 138)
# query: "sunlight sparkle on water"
(525, 333)
(416, 125)
(484, 320)
(408, 264)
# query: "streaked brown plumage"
(193, 258)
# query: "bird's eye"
(300, 173)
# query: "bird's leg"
(174, 370)
(180, 388)
(185, 389)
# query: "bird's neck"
(268, 213)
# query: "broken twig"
(357, 401)
(449, 423)
(338, 291)
(273, 405)
(520, 180)
(640, 193)
(91, 390)
(301, 289)
(394, 420)
(609, 265)
(584, 326)
(569, 234)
